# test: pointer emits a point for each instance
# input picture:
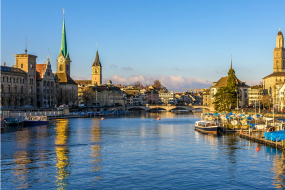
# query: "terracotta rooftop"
(40, 69)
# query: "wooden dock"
(258, 136)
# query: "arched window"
(44, 83)
(60, 68)
(48, 83)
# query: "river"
(134, 152)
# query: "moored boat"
(208, 127)
(35, 120)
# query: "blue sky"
(185, 44)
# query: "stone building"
(278, 75)
(167, 97)
(206, 98)
(97, 71)
(255, 94)
(46, 85)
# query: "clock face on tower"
(95, 70)
(60, 59)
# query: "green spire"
(97, 60)
(63, 48)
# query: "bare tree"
(87, 94)
(137, 84)
(157, 84)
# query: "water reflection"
(21, 159)
(62, 152)
(95, 147)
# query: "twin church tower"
(63, 61)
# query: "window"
(2, 88)
(17, 80)
(8, 88)
(22, 65)
(31, 90)
(44, 83)
(14, 80)
(15, 89)
(23, 81)
(20, 80)
(22, 89)
(7, 79)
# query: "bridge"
(167, 107)
(202, 107)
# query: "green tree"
(222, 100)
(226, 96)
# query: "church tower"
(279, 53)
(63, 60)
(97, 71)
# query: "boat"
(9, 121)
(35, 120)
(209, 127)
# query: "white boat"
(35, 120)
(208, 127)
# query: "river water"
(134, 152)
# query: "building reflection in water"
(61, 150)
(95, 147)
(21, 159)
(278, 167)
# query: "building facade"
(46, 85)
(278, 75)
(255, 94)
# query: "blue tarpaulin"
(275, 135)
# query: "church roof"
(224, 80)
(97, 60)
(276, 74)
(65, 78)
(63, 49)
(83, 82)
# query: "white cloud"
(176, 83)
